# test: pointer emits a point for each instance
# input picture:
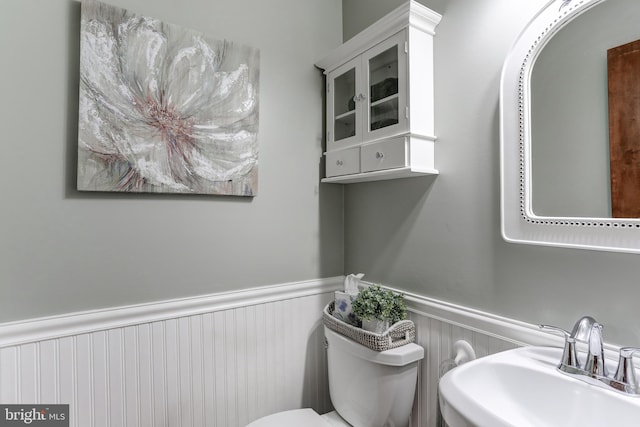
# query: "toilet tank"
(372, 388)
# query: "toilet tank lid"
(399, 356)
(297, 417)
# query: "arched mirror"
(570, 128)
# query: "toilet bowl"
(368, 388)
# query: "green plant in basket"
(378, 303)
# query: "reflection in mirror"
(570, 175)
(554, 157)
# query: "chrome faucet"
(594, 369)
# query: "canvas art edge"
(164, 109)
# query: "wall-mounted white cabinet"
(380, 118)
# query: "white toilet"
(368, 388)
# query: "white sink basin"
(522, 387)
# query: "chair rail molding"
(32, 330)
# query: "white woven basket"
(398, 334)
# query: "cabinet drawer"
(386, 154)
(343, 162)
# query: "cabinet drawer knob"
(379, 154)
(339, 163)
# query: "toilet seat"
(298, 417)
(335, 420)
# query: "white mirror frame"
(519, 223)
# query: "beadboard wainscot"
(217, 360)
(220, 360)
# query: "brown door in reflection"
(624, 129)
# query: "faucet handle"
(555, 329)
(626, 372)
(569, 357)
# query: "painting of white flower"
(163, 109)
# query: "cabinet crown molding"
(410, 14)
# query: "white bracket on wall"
(464, 352)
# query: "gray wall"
(440, 237)
(64, 251)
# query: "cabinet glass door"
(344, 105)
(344, 118)
(386, 74)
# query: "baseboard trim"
(34, 330)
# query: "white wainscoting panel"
(219, 360)
(223, 366)
(438, 337)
